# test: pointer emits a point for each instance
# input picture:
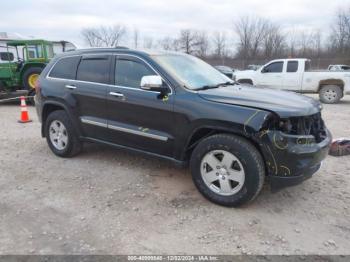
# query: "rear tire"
(60, 135)
(232, 157)
(330, 94)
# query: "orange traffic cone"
(24, 111)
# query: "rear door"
(138, 118)
(89, 92)
(293, 76)
(81, 82)
(271, 75)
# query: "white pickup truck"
(295, 75)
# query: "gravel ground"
(106, 201)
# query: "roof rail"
(122, 47)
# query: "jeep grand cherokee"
(177, 107)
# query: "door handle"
(117, 94)
(70, 87)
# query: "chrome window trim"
(100, 84)
(123, 129)
(109, 85)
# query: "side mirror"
(153, 83)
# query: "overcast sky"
(64, 19)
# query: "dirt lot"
(107, 201)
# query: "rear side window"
(307, 65)
(276, 67)
(94, 70)
(65, 68)
(292, 66)
(128, 73)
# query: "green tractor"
(21, 73)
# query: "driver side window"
(128, 73)
(276, 67)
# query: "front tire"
(60, 135)
(330, 94)
(227, 170)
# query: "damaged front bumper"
(291, 159)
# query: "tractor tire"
(29, 78)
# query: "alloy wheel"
(58, 135)
(222, 172)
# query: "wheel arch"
(331, 81)
(203, 132)
(50, 107)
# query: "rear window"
(307, 65)
(94, 70)
(65, 68)
(292, 66)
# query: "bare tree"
(219, 44)
(89, 35)
(202, 44)
(274, 42)
(292, 42)
(148, 42)
(107, 36)
(189, 41)
(136, 38)
(341, 31)
(251, 32)
(169, 43)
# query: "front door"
(271, 76)
(138, 118)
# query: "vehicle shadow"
(175, 183)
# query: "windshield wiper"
(215, 86)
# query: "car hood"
(285, 104)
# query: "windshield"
(191, 71)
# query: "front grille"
(309, 125)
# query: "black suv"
(177, 107)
